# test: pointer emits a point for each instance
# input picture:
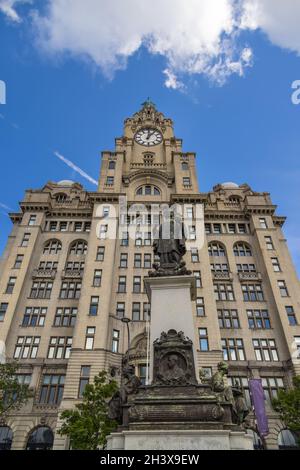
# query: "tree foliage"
(88, 425)
(288, 406)
(13, 395)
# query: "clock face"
(148, 137)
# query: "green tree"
(13, 395)
(88, 424)
(287, 404)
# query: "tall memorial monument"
(175, 411)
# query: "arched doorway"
(40, 438)
(287, 440)
(6, 437)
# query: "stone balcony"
(44, 273)
(72, 273)
(222, 276)
(249, 276)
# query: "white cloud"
(279, 19)
(8, 7)
(194, 36)
(76, 168)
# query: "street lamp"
(127, 321)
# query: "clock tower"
(148, 155)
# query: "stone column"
(171, 308)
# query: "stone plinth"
(171, 307)
(180, 440)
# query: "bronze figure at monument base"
(175, 400)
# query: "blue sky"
(243, 125)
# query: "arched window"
(287, 439)
(52, 247)
(257, 442)
(148, 190)
(79, 247)
(61, 197)
(40, 438)
(6, 437)
(242, 249)
(216, 249)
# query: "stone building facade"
(66, 284)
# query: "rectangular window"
(252, 292)
(217, 228)
(87, 226)
(194, 255)
(146, 311)
(94, 304)
(233, 349)
(122, 284)
(291, 315)
(246, 268)
(34, 316)
(137, 260)
(84, 379)
(192, 232)
(283, 289)
(10, 285)
(103, 231)
(228, 319)
(263, 223)
(219, 268)
(203, 339)
(137, 284)
(231, 228)
(147, 261)
(124, 239)
(258, 319)
(100, 253)
(24, 379)
(123, 260)
(265, 350)
(242, 228)
(136, 311)
(70, 290)
(142, 373)
(97, 277)
(25, 240)
(74, 267)
(184, 166)
(197, 275)
(110, 180)
(27, 347)
(276, 265)
(186, 181)
(120, 310)
(269, 243)
(208, 229)
(53, 226)
(78, 227)
(200, 308)
(89, 337)
(189, 213)
(65, 316)
(3, 309)
(59, 347)
(115, 341)
(32, 220)
(223, 292)
(18, 261)
(41, 290)
(63, 226)
(297, 343)
(271, 386)
(52, 389)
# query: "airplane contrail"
(75, 168)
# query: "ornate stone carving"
(173, 360)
